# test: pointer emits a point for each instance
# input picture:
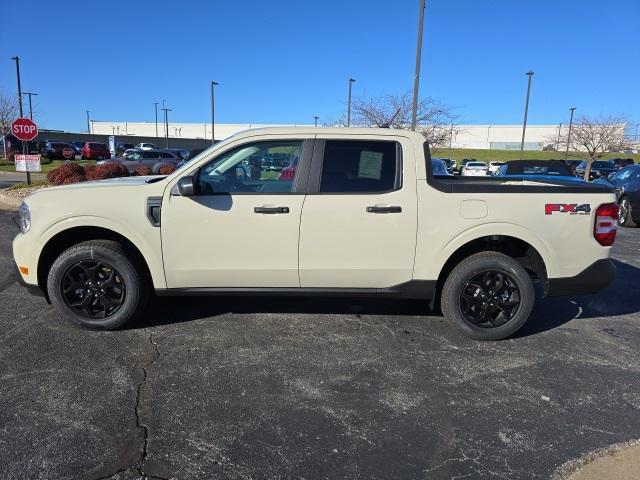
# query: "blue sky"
(283, 61)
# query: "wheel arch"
(78, 234)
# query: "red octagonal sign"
(24, 129)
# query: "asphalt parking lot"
(315, 388)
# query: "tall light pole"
(526, 112)
(17, 60)
(416, 76)
(351, 80)
(88, 120)
(155, 104)
(566, 153)
(24, 144)
(166, 124)
(558, 139)
(315, 120)
(30, 94)
(213, 118)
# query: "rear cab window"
(360, 166)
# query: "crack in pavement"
(139, 467)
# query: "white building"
(499, 137)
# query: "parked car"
(289, 172)
(493, 167)
(626, 183)
(439, 167)
(95, 151)
(123, 147)
(146, 146)
(451, 164)
(154, 159)
(572, 164)
(622, 162)
(538, 170)
(599, 168)
(474, 169)
(55, 150)
(78, 147)
(476, 246)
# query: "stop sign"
(24, 129)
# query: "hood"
(141, 181)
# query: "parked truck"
(363, 214)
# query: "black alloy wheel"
(93, 289)
(489, 299)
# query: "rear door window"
(360, 166)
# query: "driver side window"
(259, 167)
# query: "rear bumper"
(591, 280)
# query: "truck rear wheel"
(488, 296)
(94, 285)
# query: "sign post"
(24, 129)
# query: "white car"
(146, 146)
(362, 214)
(474, 169)
(494, 166)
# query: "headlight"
(24, 218)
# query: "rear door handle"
(271, 210)
(384, 209)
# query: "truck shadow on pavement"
(620, 298)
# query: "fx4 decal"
(570, 208)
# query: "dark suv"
(599, 168)
(54, 150)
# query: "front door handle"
(271, 210)
(384, 209)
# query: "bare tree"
(394, 111)
(8, 112)
(596, 136)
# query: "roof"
(343, 131)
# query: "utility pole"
(24, 144)
(166, 124)
(566, 153)
(315, 120)
(155, 104)
(30, 94)
(213, 118)
(351, 80)
(526, 112)
(558, 139)
(88, 120)
(416, 76)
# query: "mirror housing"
(187, 186)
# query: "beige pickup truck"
(351, 212)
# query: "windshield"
(602, 164)
(476, 164)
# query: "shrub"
(143, 170)
(110, 170)
(68, 170)
(166, 169)
(90, 172)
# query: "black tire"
(472, 296)
(626, 216)
(81, 272)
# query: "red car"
(289, 172)
(95, 151)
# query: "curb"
(9, 203)
(619, 461)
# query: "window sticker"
(370, 165)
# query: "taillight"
(606, 225)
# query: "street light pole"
(155, 104)
(566, 153)
(213, 118)
(315, 120)
(166, 124)
(88, 126)
(416, 76)
(351, 80)
(526, 112)
(24, 144)
(30, 107)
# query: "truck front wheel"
(488, 296)
(95, 285)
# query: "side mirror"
(186, 186)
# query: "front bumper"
(32, 289)
(591, 280)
